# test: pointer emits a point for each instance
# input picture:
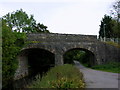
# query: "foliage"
(116, 17)
(20, 21)
(67, 83)
(10, 50)
(83, 57)
(73, 55)
(109, 28)
(15, 25)
(70, 56)
(110, 25)
(113, 44)
(116, 10)
(66, 76)
(106, 27)
(109, 67)
(115, 28)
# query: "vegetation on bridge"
(65, 76)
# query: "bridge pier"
(58, 59)
(22, 69)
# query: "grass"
(65, 76)
(109, 67)
(113, 44)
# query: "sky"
(63, 16)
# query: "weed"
(65, 76)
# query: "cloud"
(79, 18)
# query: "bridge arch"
(44, 47)
(33, 61)
(91, 55)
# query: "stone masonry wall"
(60, 37)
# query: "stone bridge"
(59, 44)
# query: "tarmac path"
(99, 79)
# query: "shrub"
(66, 83)
(10, 49)
(66, 76)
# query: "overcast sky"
(63, 16)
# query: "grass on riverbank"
(109, 67)
(65, 76)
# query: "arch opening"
(34, 61)
(84, 56)
(39, 61)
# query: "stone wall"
(54, 37)
(22, 70)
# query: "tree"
(110, 26)
(10, 49)
(41, 28)
(106, 27)
(19, 21)
(116, 14)
(116, 10)
(115, 28)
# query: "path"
(99, 79)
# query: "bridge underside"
(34, 61)
(82, 55)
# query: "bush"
(10, 49)
(66, 76)
(66, 83)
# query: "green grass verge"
(109, 67)
(65, 76)
(113, 44)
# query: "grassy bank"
(66, 76)
(113, 44)
(109, 67)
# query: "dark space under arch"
(39, 61)
(89, 57)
